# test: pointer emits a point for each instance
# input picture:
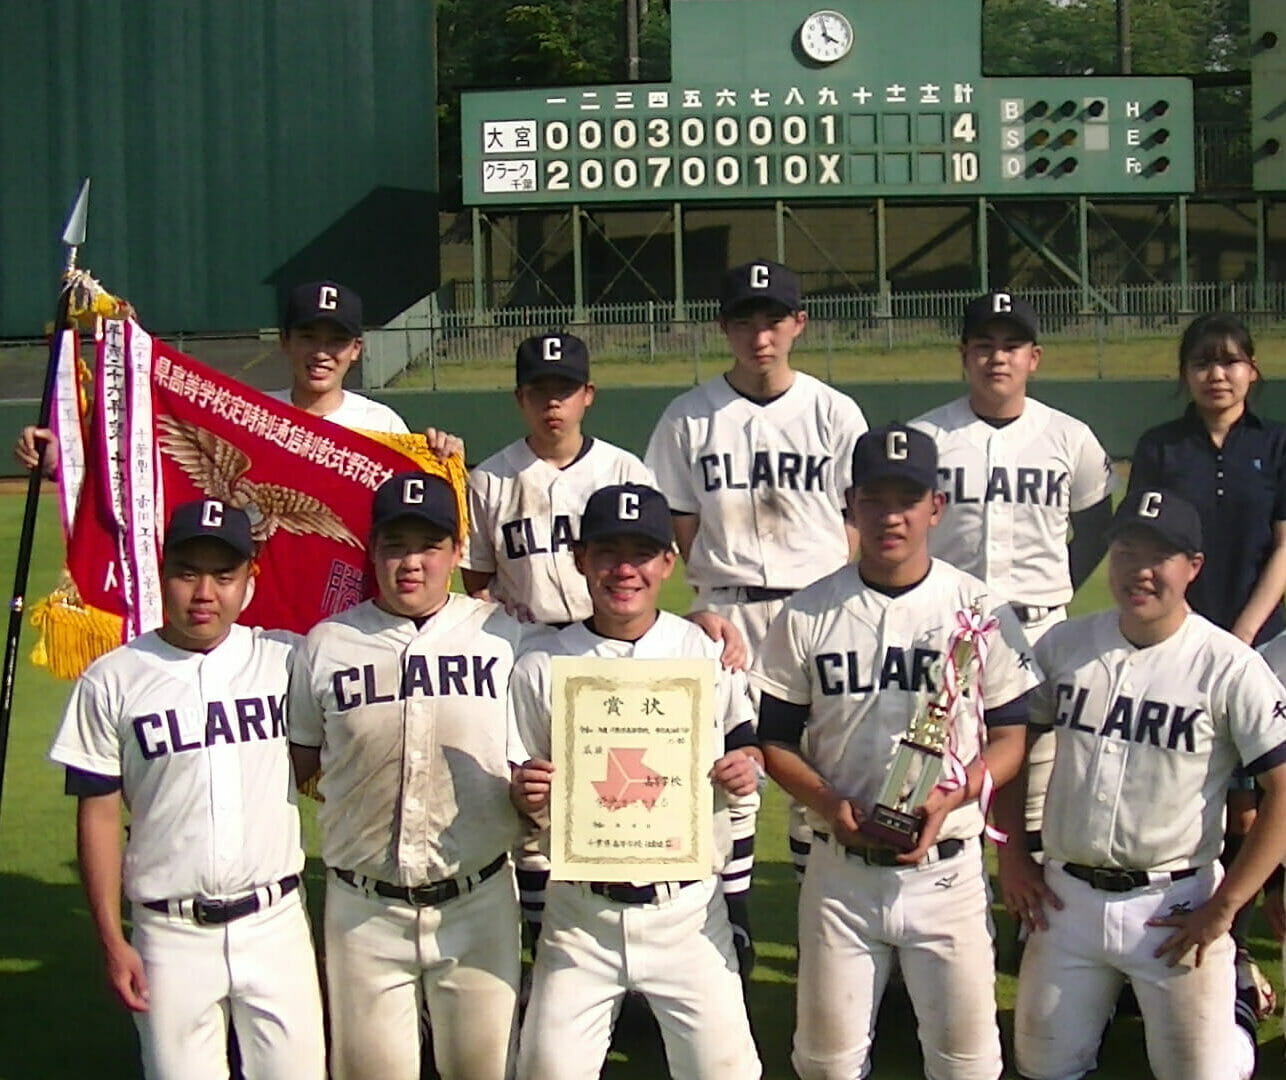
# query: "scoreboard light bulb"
(1271, 147)
(1068, 165)
(1268, 40)
(1040, 166)
(1095, 108)
(1067, 138)
(1038, 109)
(1159, 108)
(1067, 108)
(1161, 164)
(1160, 137)
(1039, 137)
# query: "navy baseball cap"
(213, 518)
(759, 284)
(323, 300)
(562, 355)
(1171, 517)
(418, 495)
(896, 452)
(1000, 305)
(627, 510)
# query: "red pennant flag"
(165, 429)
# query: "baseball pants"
(1073, 972)
(384, 958)
(676, 951)
(853, 919)
(260, 971)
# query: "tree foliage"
(504, 45)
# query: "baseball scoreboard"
(786, 99)
(1268, 94)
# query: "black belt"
(755, 593)
(1110, 879)
(430, 895)
(629, 894)
(882, 856)
(217, 912)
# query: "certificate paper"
(631, 741)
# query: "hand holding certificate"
(632, 748)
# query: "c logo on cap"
(895, 446)
(412, 491)
(759, 276)
(212, 514)
(1002, 302)
(552, 348)
(1150, 504)
(627, 507)
(328, 298)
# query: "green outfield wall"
(1118, 411)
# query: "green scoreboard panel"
(783, 99)
(1268, 94)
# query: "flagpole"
(73, 237)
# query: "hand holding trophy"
(923, 753)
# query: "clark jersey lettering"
(768, 481)
(524, 517)
(667, 638)
(863, 663)
(198, 741)
(1011, 492)
(412, 725)
(1147, 740)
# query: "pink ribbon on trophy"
(972, 627)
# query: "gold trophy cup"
(918, 764)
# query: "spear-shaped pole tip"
(74, 231)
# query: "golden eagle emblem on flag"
(219, 469)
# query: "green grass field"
(59, 1022)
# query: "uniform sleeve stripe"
(1267, 761)
(781, 721)
(84, 784)
(1009, 714)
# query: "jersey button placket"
(224, 770)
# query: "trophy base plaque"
(892, 828)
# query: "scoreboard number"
(964, 128)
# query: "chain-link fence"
(1129, 331)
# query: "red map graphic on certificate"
(628, 781)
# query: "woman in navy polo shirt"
(1231, 464)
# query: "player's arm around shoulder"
(739, 770)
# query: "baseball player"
(186, 727)
(753, 465)
(402, 701)
(1017, 475)
(1152, 707)
(525, 504)
(671, 942)
(849, 662)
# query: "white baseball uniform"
(524, 517)
(198, 743)
(768, 482)
(676, 949)
(1011, 492)
(861, 662)
(412, 724)
(1147, 740)
(357, 412)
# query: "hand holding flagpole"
(73, 238)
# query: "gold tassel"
(72, 634)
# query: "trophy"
(921, 754)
